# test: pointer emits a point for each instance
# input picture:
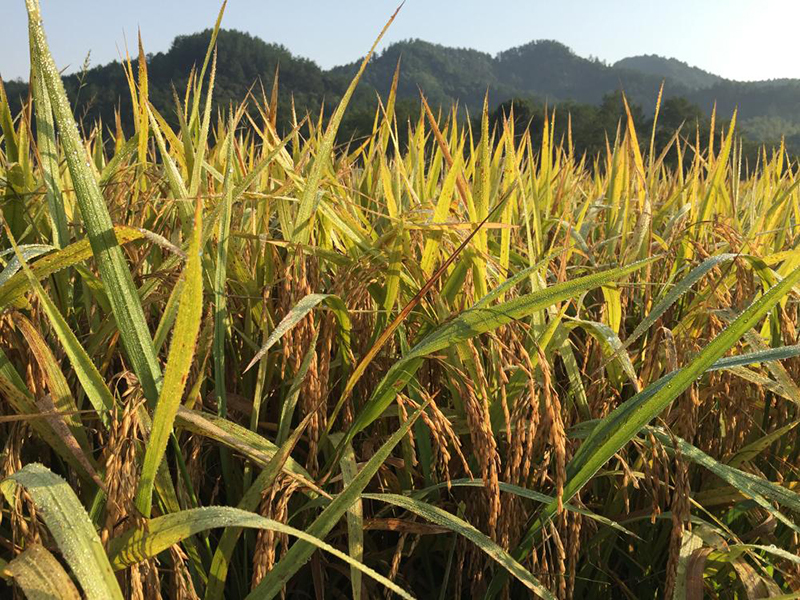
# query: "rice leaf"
(303, 221)
(683, 286)
(355, 520)
(492, 550)
(240, 439)
(752, 486)
(160, 533)
(471, 323)
(179, 362)
(297, 313)
(70, 527)
(105, 246)
(301, 551)
(41, 576)
(619, 427)
(18, 284)
(91, 380)
(249, 502)
(28, 251)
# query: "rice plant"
(241, 364)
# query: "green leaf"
(290, 401)
(160, 533)
(625, 422)
(202, 140)
(522, 492)
(754, 487)
(262, 164)
(683, 286)
(473, 322)
(48, 155)
(28, 251)
(106, 249)
(492, 550)
(301, 551)
(174, 179)
(611, 345)
(751, 358)
(70, 527)
(355, 520)
(304, 306)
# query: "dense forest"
(538, 77)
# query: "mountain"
(552, 72)
(545, 72)
(671, 69)
(445, 75)
(244, 62)
(549, 68)
(545, 69)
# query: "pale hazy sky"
(739, 39)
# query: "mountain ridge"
(546, 70)
(670, 68)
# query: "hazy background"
(738, 39)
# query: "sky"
(738, 39)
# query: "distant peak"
(670, 68)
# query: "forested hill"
(673, 69)
(243, 60)
(546, 71)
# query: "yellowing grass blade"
(714, 189)
(143, 102)
(238, 438)
(91, 380)
(179, 362)
(41, 576)
(198, 88)
(13, 390)
(440, 214)
(60, 395)
(12, 290)
(304, 218)
(220, 278)
(202, 141)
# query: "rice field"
(236, 363)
